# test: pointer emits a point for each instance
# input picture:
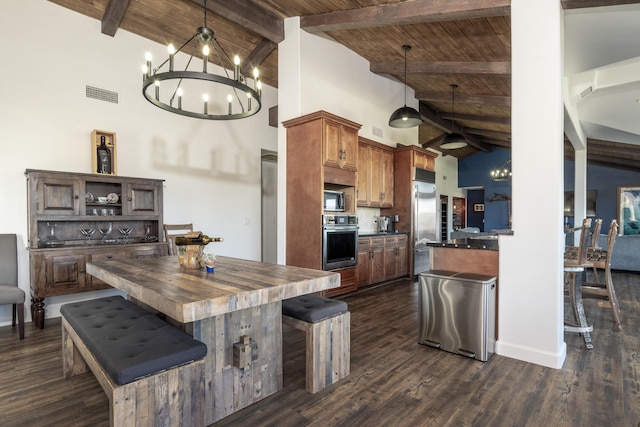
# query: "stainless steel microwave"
(333, 201)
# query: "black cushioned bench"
(327, 324)
(152, 371)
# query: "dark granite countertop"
(376, 233)
(480, 242)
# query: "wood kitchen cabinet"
(340, 148)
(62, 204)
(347, 283)
(375, 174)
(322, 153)
(370, 267)
(396, 260)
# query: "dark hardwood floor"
(393, 382)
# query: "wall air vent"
(101, 94)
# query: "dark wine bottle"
(104, 157)
(200, 240)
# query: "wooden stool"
(574, 269)
(327, 325)
(604, 291)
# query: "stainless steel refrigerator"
(424, 218)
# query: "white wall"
(211, 168)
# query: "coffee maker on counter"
(387, 223)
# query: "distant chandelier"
(405, 117)
(453, 140)
(503, 173)
(241, 100)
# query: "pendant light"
(453, 140)
(405, 117)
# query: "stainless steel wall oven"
(339, 241)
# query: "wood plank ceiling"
(467, 43)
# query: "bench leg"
(328, 352)
(72, 361)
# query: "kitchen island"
(478, 255)
(236, 311)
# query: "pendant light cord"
(405, 48)
(453, 107)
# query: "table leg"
(228, 387)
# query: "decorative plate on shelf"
(112, 198)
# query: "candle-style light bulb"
(236, 68)
(259, 87)
(157, 83)
(248, 101)
(205, 98)
(147, 57)
(229, 99)
(256, 74)
(205, 57)
(172, 51)
(179, 92)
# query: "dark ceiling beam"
(431, 116)
(257, 55)
(579, 4)
(476, 118)
(403, 13)
(498, 143)
(434, 142)
(493, 134)
(250, 16)
(113, 14)
(500, 101)
(453, 68)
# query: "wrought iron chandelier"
(453, 140)
(405, 117)
(201, 94)
(503, 173)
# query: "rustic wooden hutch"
(63, 205)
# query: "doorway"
(269, 205)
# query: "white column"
(289, 107)
(530, 286)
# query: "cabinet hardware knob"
(129, 199)
(76, 197)
(109, 256)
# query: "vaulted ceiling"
(467, 43)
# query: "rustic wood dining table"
(236, 311)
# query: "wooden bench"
(152, 372)
(327, 325)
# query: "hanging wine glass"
(87, 233)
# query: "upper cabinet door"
(58, 196)
(141, 199)
(340, 146)
(332, 152)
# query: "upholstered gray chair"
(10, 293)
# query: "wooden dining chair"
(574, 268)
(171, 231)
(604, 290)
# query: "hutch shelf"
(74, 219)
